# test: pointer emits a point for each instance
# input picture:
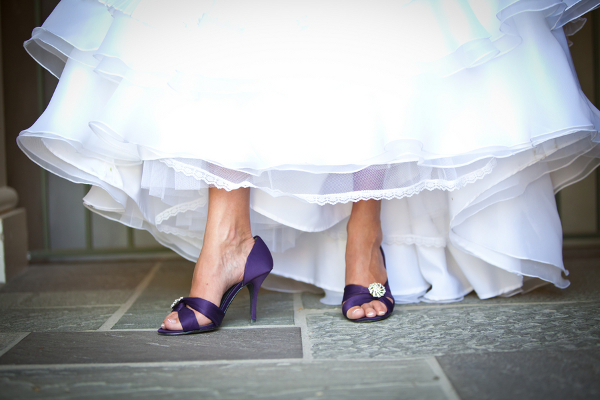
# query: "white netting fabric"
(184, 177)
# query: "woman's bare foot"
(219, 267)
(227, 244)
(364, 261)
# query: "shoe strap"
(356, 295)
(388, 294)
(355, 290)
(355, 300)
(188, 318)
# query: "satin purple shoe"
(356, 295)
(258, 265)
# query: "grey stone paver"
(54, 319)
(545, 374)
(75, 277)
(273, 309)
(401, 379)
(311, 301)
(173, 281)
(129, 347)
(497, 348)
(64, 299)
(7, 338)
(455, 330)
(10, 300)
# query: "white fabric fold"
(464, 119)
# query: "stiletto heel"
(258, 266)
(253, 288)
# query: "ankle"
(363, 254)
(364, 234)
(228, 220)
(227, 234)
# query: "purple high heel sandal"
(258, 265)
(356, 295)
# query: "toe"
(369, 311)
(355, 313)
(171, 322)
(379, 307)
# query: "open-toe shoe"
(258, 265)
(356, 295)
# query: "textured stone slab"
(273, 309)
(173, 281)
(8, 338)
(548, 374)
(173, 276)
(74, 277)
(455, 330)
(64, 299)
(312, 301)
(10, 300)
(128, 347)
(170, 282)
(405, 379)
(54, 319)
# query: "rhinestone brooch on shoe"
(181, 298)
(376, 289)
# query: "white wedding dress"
(464, 116)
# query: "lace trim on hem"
(179, 208)
(202, 175)
(384, 194)
(181, 233)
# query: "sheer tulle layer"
(466, 129)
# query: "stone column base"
(13, 243)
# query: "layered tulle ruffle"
(465, 116)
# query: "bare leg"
(227, 244)
(364, 262)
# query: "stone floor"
(87, 330)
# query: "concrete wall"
(21, 110)
(578, 203)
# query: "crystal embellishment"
(176, 302)
(376, 289)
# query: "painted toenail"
(381, 312)
(162, 326)
(171, 321)
(357, 310)
(370, 314)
